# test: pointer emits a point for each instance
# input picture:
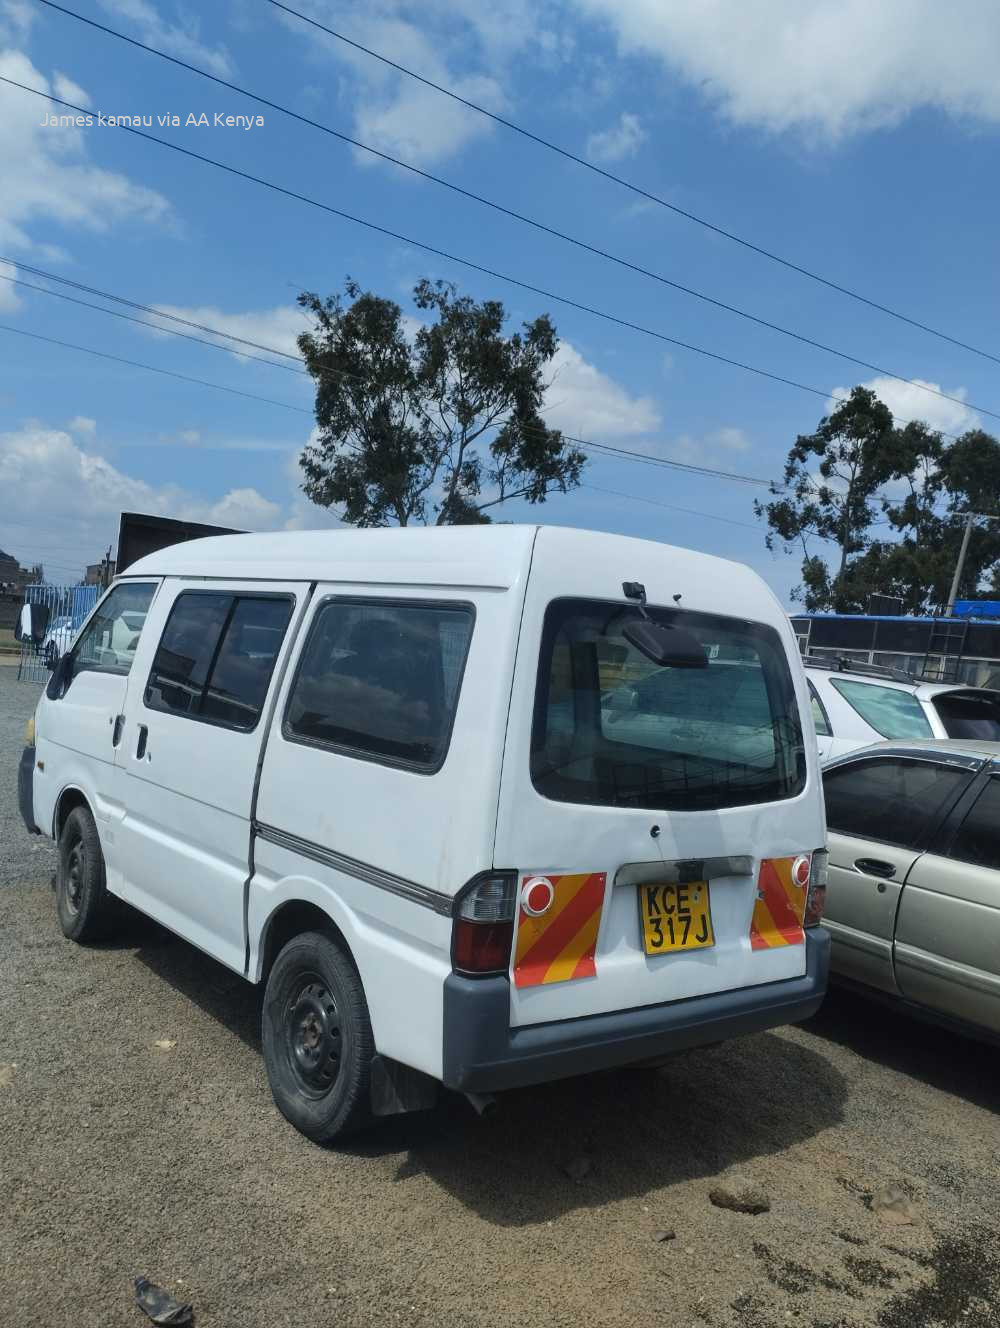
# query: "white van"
(472, 812)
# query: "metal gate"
(68, 606)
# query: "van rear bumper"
(26, 789)
(483, 1054)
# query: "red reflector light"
(481, 947)
(537, 896)
(800, 871)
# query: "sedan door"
(947, 953)
(880, 812)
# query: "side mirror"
(670, 647)
(62, 676)
(32, 624)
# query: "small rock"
(740, 1195)
(7, 1074)
(893, 1205)
(661, 1236)
(165, 1044)
(578, 1169)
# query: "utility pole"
(106, 570)
(960, 566)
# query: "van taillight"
(484, 925)
(816, 898)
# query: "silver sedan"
(913, 902)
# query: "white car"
(58, 639)
(855, 705)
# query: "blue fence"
(68, 606)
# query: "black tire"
(85, 909)
(317, 1038)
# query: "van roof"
(445, 555)
(494, 556)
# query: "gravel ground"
(137, 1136)
(23, 857)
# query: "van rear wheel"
(84, 907)
(317, 1037)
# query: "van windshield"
(613, 728)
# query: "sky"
(856, 140)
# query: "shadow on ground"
(886, 1033)
(638, 1129)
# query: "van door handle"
(140, 746)
(116, 735)
(875, 867)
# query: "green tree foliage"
(429, 424)
(859, 474)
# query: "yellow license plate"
(675, 917)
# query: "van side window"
(216, 656)
(380, 679)
(108, 643)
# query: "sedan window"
(969, 714)
(820, 719)
(891, 800)
(978, 838)
(889, 710)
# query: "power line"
(202, 382)
(441, 253)
(518, 216)
(142, 322)
(149, 309)
(634, 188)
(602, 449)
(672, 507)
(152, 368)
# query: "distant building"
(99, 574)
(14, 577)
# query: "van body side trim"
(362, 871)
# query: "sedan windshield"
(891, 711)
(613, 728)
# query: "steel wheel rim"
(75, 875)
(313, 1036)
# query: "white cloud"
(10, 301)
(75, 496)
(181, 38)
(908, 402)
(69, 91)
(620, 141)
(829, 66)
(276, 328)
(584, 401)
(16, 18)
(46, 175)
(83, 424)
(465, 45)
(417, 124)
(718, 446)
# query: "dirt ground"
(137, 1136)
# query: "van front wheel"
(317, 1037)
(84, 907)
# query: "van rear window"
(380, 679)
(614, 729)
